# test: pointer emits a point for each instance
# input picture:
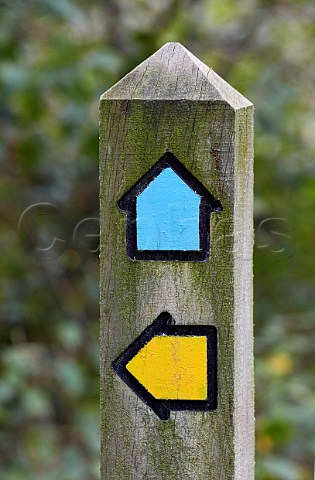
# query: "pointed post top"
(174, 73)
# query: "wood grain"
(173, 102)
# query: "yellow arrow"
(172, 367)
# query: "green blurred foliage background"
(57, 57)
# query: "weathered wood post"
(176, 274)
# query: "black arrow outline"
(208, 204)
(165, 325)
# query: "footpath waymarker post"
(176, 154)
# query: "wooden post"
(173, 122)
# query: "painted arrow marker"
(168, 214)
(172, 367)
